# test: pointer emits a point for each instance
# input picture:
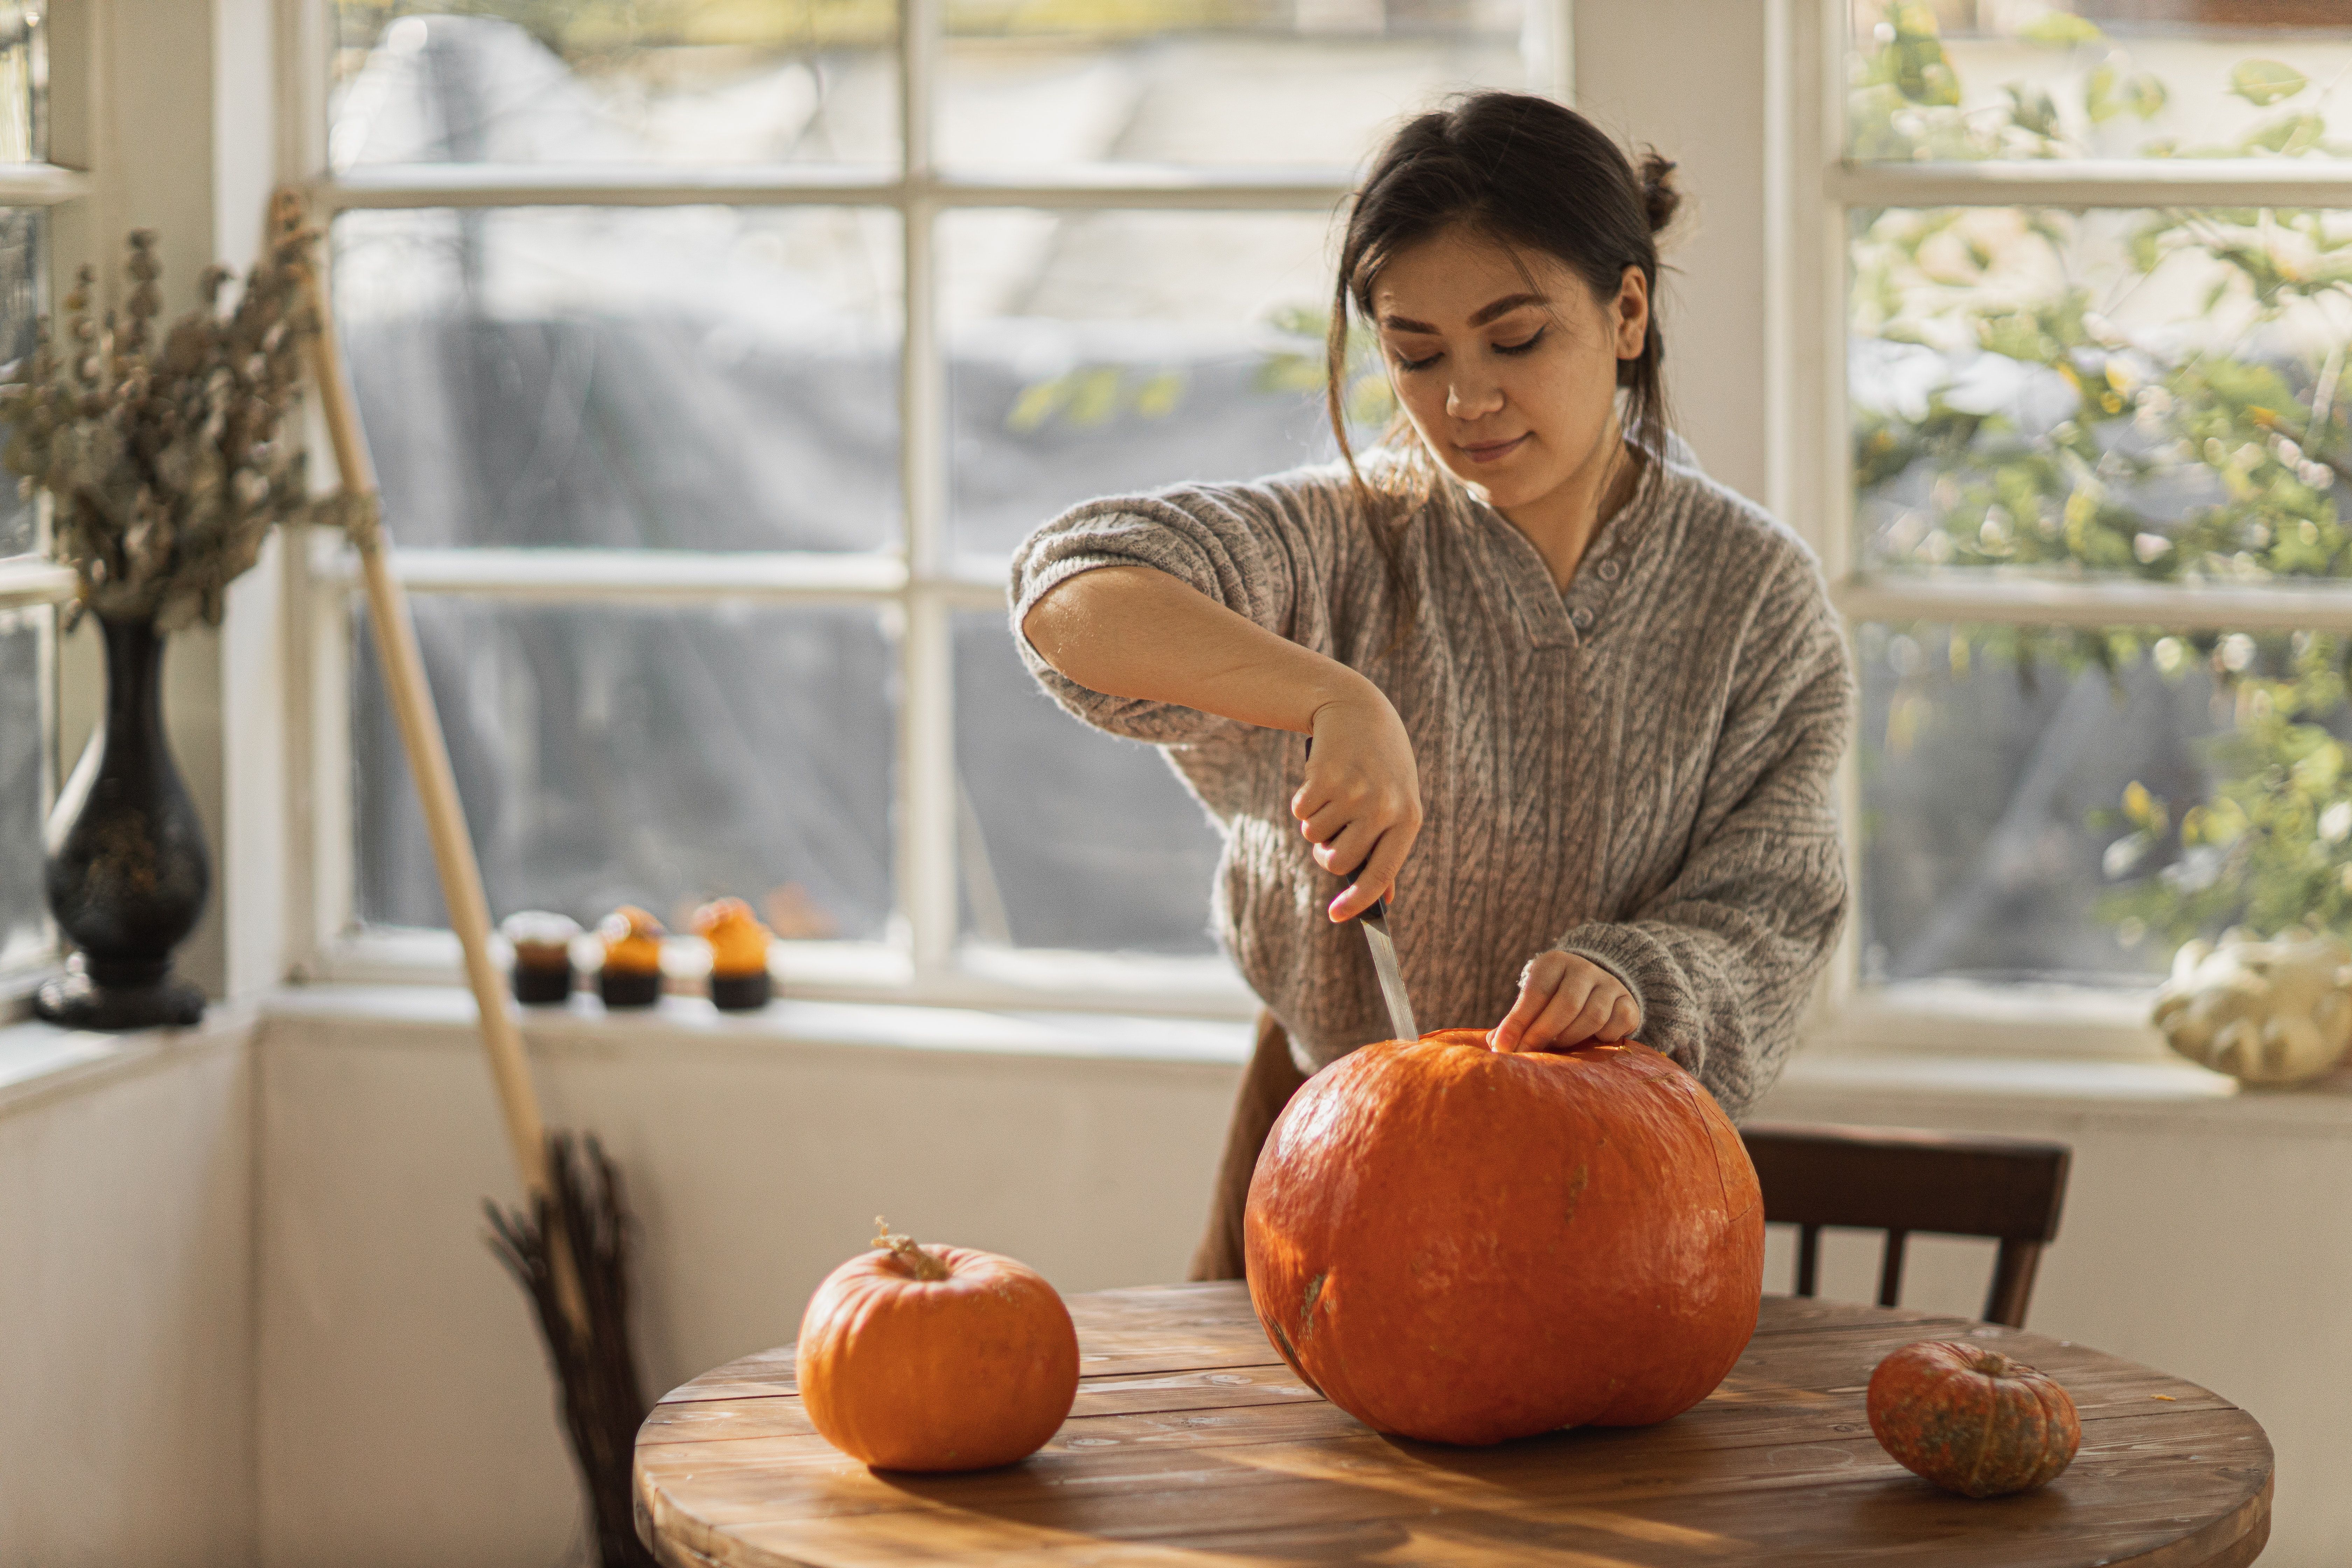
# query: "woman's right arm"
(1140, 632)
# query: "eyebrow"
(1500, 308)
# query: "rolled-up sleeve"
(1251, 548)
(1722, 961)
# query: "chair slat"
(2012, 1282)
(1890, 1269)
(1900, 1180)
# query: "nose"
(1473, 397)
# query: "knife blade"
(1375, 921)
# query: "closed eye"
(1525, 345)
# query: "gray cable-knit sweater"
(1639, 770)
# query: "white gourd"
(2265, 1012)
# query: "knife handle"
(1379, 907)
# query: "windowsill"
(584, 1027)
(867, 974)
(40, 1062)
(2031, 1023)
(1897, 1088)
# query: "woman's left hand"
(1566, 1001)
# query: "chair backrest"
(1900, 1180)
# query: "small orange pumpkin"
(940, 1358)
(1453, 1243)
(1971, 1420)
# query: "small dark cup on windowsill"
(630, 975)
(740, 981)
(542, 955)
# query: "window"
(30, 586)
(715, 357)
(2085, 291)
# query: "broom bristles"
(596, 1369)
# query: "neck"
(1561, 523)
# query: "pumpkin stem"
(914, 1259)
(1992, 1364)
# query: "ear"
(1631, 312)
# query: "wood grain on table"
(1192, 1444)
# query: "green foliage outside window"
(2246, 419)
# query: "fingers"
(1537, 982)
(1377, 880)
(1588, 1020)
(1556, 1025)
(1349, 849)
(1326, 822)
(1360, 801)
(1566, 1001)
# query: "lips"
(1489, 451)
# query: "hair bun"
(1658, 194)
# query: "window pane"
(705, 378)
(658, 757)
(1099, 352)
(25, 741)
(2096, 78)
(24, 242)
(2052, 805)
(614, 81)
(2158, 394)
(1211, 81)
(1071, 838)
(24, 84)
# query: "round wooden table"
(1192, 1444)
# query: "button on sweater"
(1639, 770)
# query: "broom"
(568, 1244)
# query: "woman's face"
(1513, 388)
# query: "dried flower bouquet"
(167, 463)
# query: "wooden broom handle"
(436, 785)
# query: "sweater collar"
(1552, 617)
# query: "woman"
(1575, 709)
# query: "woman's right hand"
(1361, 803)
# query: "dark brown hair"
(1533, 175)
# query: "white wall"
(2206, 1238)
(126, 1429)
(1687, 76)
(405, 1411)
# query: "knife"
(1375, 921)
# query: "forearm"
(1137, 632)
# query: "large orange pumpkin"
(1971, 1420)
(1468, 1246)
(939, 1358)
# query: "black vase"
(127, 872)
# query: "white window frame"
(64, 188)
(1810, 436)
(914, 584)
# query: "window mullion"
(926, 775)
(2272, 607)
(2090, 182)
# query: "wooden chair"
(1900, 1180)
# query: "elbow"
(1068, 624)
(1045, 628)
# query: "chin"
(1504, 491)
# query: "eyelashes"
(1525, 345)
